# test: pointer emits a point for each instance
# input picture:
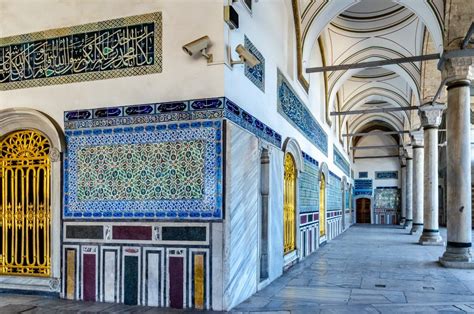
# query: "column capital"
(416, 138)
(458, 69)
(431, 114)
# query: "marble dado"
(161, 233)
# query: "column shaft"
(431, 234)
(458, 174)
(417, 189)
(409, 197)
(404, 194)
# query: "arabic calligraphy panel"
(121, 47)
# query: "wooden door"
(363, 210)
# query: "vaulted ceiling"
(354, 31)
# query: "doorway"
(363, 210)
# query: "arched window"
(25, 176)
(289, 208)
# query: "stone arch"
(291, 146)
(17, 119)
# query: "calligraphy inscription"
(114, 48)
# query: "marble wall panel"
(241, 215)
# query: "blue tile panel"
(309, 185)
(387, 198)
(363, 187)
(334, 193)
(123, 199)
(187, 110)
(256, 74)
(340, 161)
(347, 199)
(106, 49)
(381, 175)
(297, 114)
(363, 174)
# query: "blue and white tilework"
(209, 206)
(309, 185)
(334, 193)
(255, 74)
(298, 115)
(187, 110)
(340, 161)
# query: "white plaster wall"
(270, 27)
(241, 260)
(183, 77)
(378, 164)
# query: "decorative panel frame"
(383, 175)
(207, 207)
(105, 50)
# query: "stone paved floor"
(368, 269)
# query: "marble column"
(417, 145)
(404, 192)
(431, 115)
(458, 74)
(409, 196)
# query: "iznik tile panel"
(363, 174)
(386, 175)
(168, 170)
(198, 109)
(309, 185)
(387, 198)
(340, 161)
(114, 48)
(255, 74)
(363, 187)
(153, 171)
(334, 192)
(298, 115)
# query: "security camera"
(246, 57)
(199, 45)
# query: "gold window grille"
(289, 207)
(25, 174)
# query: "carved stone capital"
(416, 138)
(458, 69)
(431, 114)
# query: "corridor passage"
(369, 269)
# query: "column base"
(402, 221)
(416, 228)
(457, 257)
(431, 237)
(407, 224)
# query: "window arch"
(289, 208)
(25, 204)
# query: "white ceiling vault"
(354, 31)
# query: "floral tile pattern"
(257, 73)
(153, 171)
(298, 115)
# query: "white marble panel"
(153, 279)
(275, 238)
(241, 260)
(109, 276)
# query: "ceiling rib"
(344, 113)
(372, 64)
(381, 133)
(377, 146)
